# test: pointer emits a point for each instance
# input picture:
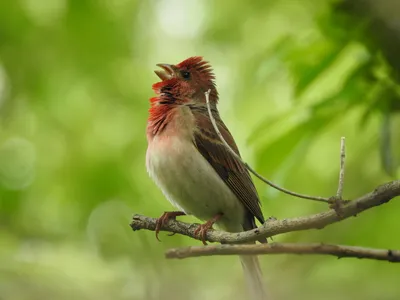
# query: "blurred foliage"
(294, 76)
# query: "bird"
(190, 164)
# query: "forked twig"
(380, 195)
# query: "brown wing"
(230, 169)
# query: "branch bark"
(339, 251)
(379, 196)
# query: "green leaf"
(309, 72)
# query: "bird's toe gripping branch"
(164, 218)
(201, 231)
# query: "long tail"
(253, 276)
(251, 267)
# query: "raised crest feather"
(199, 64)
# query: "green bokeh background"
(293, 76)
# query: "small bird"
(191, 165)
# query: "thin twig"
(339, 193)
(339, 251)
(379, 196)
(270, 183)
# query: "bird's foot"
(201, 231)
(167, 215)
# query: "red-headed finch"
(191, 165)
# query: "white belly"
(190, 183)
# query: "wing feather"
(231, 170)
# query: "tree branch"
(339, 251)
(380, 195)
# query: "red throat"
(159, 116)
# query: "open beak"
(166, 73)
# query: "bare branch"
(267, 181)
(339, 251)
(380, 195)
(339, 193)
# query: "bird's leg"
(201, 231)
(167, 215)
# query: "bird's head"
(186, 82)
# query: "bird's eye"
(185, 74)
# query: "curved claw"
(164, 218)
(160, 222)
(201, 231)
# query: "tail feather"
(250, 264)
(253, 276)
